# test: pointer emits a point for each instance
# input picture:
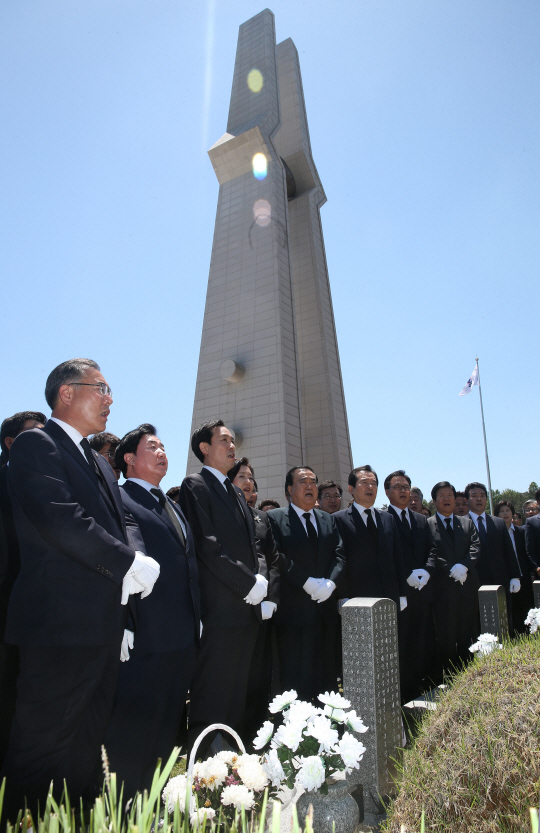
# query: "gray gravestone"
(493, 612)
(371, 683)
(536, 591)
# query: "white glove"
(515, 585)
(402, 603)
(312, 585)
(141, 576)
(423, 578)
(340, 604)
(413, 580)
(268, 609)
(459, 573)
(324, 592)
(127, 643)
(258, 591)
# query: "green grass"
(475, 764)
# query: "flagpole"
(485, 441)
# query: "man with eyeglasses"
(106, 445)
(330, 494)
(416, 640)
(81, 558)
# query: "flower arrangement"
(221, 786)
(311, 744)
(533, 619)
(487, 642)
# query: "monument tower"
(269, 362)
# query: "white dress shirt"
(475, 517)
(362, 512)
(399, 511)
(301, 512)
(72, 433)
(443, 519)
(220, 476)
(149, 487)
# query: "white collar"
(362, 509)
(72, 433)
(146, 485)
(398, 511)
(443, 519)
(220, 476)
(301, 512)
(475, 517)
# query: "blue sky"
(424, 120)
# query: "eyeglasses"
(103, 388)
(331, 497)
(109, 454)
(401, 488)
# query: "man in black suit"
(232, 581)
(532, 537)
(260, 672)
(374, 566)
(416, 637)
(9, 568)
(523, 600)
(312, 561)
(159, 654)
(455, 548)
(497, 562)
(67, 611)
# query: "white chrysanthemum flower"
(197, 769)
(321, 729)
(289, 735)
(272, 766)
(300, 710)
(227, 757)
(487, 642)
(174, 793)
(311, 774)
(351, 751)
(238, 796)
(335, 700)
(282, 701)
(336, 714)
(214, 771)
(533, 619)
(251, 772)
(263, 735)
(199, 816)
(354, 722)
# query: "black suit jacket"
(526, 565)
(267, 545)
(497, 562)
(464, 550)
(226, 548)
(168, 619)
(298, 563)
(74, 544)
(532, 540)
(9, 548)
(370, 572)
(415, 540)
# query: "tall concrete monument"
(269, 362)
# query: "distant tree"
(517, 499)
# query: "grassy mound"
(475, 765)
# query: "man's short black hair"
(461, 494)
(99, 440)
(518, 515)
(329, 484)
(71, 371)
(353, 477)
(398, 473)
(443, 484)
(12, 427)
(268, 502)
(174, 493)
(537, 496)
(238, 463)
(498, 506)
(130, 443)
(203, 434)
(475, 485)
(289, 477)
(255, 487)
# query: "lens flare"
(262, 212)
(255, 81)
(259, 166)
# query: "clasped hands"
(459, 573)
(141, 577)
(418, 579)
(257, 594)
(320, 589)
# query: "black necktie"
(85, 445)
(234, 495)
(482, 531)
(448, 522)
(311, 533)
(173, 517)
(372, 528)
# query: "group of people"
(126, 609)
